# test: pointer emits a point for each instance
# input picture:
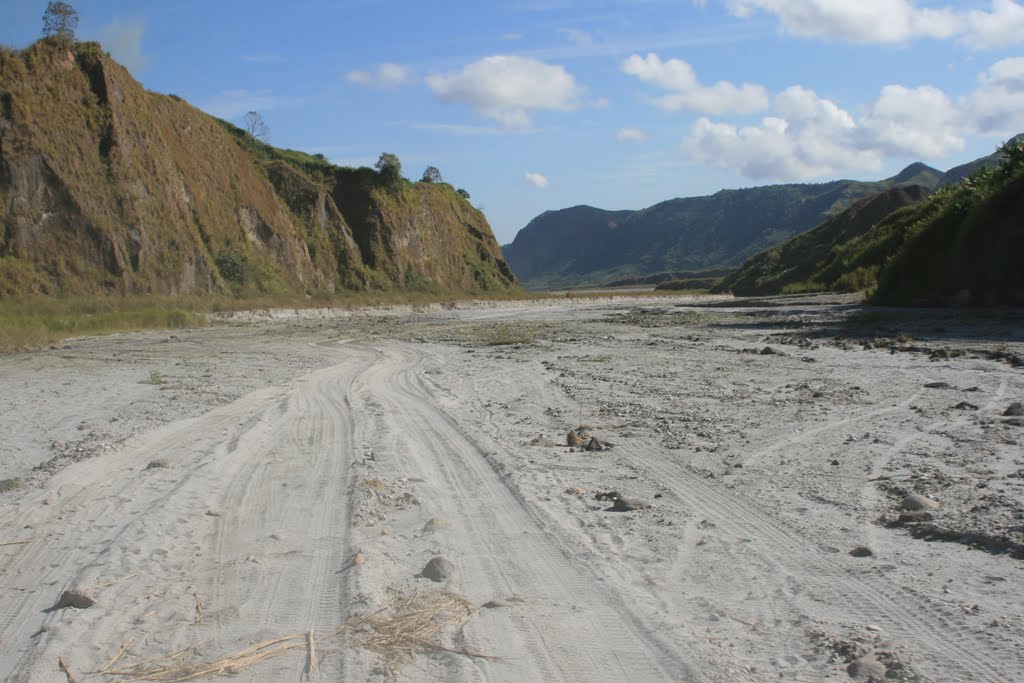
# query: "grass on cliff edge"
(35, 322)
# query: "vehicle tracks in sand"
(943, 650)
(575, 626)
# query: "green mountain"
(586, 245)
(798, 262)
(961, 245)
(108, 188)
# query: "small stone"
(358, 559)
(573, 440)
(629, 504)
(964, 405)
(866, 669)
(915, 501)
(492, 604)
(937, 385)
(1015, 410)
(862, 551)
(435, 524)
(158, 464)
(438, 569)
(576, 490)
(76, 599)
(835, 463)
(594, 444)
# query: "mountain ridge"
(720, 230)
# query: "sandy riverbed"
(288, 474)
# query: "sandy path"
(284, 448)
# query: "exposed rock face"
(105, 187)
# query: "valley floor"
(290, 475)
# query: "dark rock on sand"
(76, 599)
(862, 551)
(629, 504)
(1015, 410)
(438, 569)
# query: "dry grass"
(410, 626)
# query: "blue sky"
(533, 105)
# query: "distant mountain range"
(584, 245)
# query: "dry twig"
(200, 608)
(67, 670)
(16, 542)
(114, 583)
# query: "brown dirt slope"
(108, 188)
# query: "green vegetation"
(155, 378)
(961, 245)
(508, 335)
(11, 484)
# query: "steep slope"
(961, 245)
(794, 263)
(958, 173)
(964, 247)
(105, 187)
(696, 233)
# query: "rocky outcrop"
(108, 188)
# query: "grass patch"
(508, 335)
(11, 484)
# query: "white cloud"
(577, 36)
(509, 89)
(386, 75)
(630, 135)
(892, 21)
(997, 105)
(123, 39)
(231, 104)
(536, 179)
(919, 122)
(686, 92)
(810, 137)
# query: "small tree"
(60, 19)
(390, 168)
(431, 175)
(462, 193)
(255, 126)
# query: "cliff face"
(105, 187)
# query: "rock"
(964, 405)
(75, 598)
(573, 440)
(938, 385)
(915, 501)
(438, 569)
(594, 444)
(862, 551)
(492, 604)
(769, 351)
(866, 668)
(1015, 410)
(435, 524)
(158, 464)
(358, 559)
(629, 504)
(608, 495)
(576, 490)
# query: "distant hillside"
(799, 261)
(961, 245)
(585, 245)
(108, 188)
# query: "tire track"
(946, 649)
(523, 552)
